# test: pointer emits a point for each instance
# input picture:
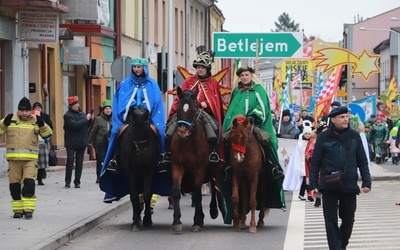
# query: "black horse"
(139, 156)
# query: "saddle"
(124, 126)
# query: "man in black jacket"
(76, 124)
(339, 149)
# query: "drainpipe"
(44, 79)
(187, 34)
(207, 26)
(144, 22)
(117, 28)
(88, 82)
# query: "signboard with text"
(37, 27)
(266, 45)
(292, 66)
(76, 55)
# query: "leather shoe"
(40, 183)
(18, 215)
(67, 185)
(77, 186)
(28, 215)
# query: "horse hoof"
(135, 228)
(196, 228)
(242, 225)
(147, 224)
(177, 228)
(214, 213)
(252, 230)
(260, 224)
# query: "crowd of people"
(320, 143)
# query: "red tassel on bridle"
(238, 148)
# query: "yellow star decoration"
(364, 65)
(367, 65)
(225, 90)
(284, 151)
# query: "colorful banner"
(364, 108)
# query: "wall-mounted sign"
(37, 27)
(76, 55)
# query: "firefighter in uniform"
(22, 149)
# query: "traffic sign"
(121, 68)
(270, 45)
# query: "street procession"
(195, 124)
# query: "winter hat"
(24, 104)
(338, 111)
(139, 62)
(72, 100)
(307, 130)
(37, 104)
(106, 103)
(285, 112)
(335, 103)
(242, 69)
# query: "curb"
(81, 227)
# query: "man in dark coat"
(339, 149)
(76, 124)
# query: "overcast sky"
(322, 19)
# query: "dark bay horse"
(139, 156)
(190, 150)
(246, 158)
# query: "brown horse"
(190, 150)
(246, 158)
(139, 156)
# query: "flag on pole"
(278, 92)
(332, 84)
(297, 78)
(320, 85)
(285, 101)
(392, 91)
(235, 77)
(323, 105)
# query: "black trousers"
(338, 237)
(99, 158)
(77, 154)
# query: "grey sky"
(323, 19)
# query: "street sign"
(121, 68)
(270, 45)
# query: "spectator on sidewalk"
(286, 128)
(101, 126)
(43, 161)
(339, 149)
(22, 149)
(76, 124)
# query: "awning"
(65, 34)
(89, 29)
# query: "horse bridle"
(242, 149)
(191, 125)
(138, 143)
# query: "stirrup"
(112, 166)
(161, 167)
(214, 157)
(167, 157)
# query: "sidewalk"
(63, 214)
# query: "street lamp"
(398, 42)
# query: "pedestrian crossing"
(377, 221)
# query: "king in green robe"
(251, 99)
